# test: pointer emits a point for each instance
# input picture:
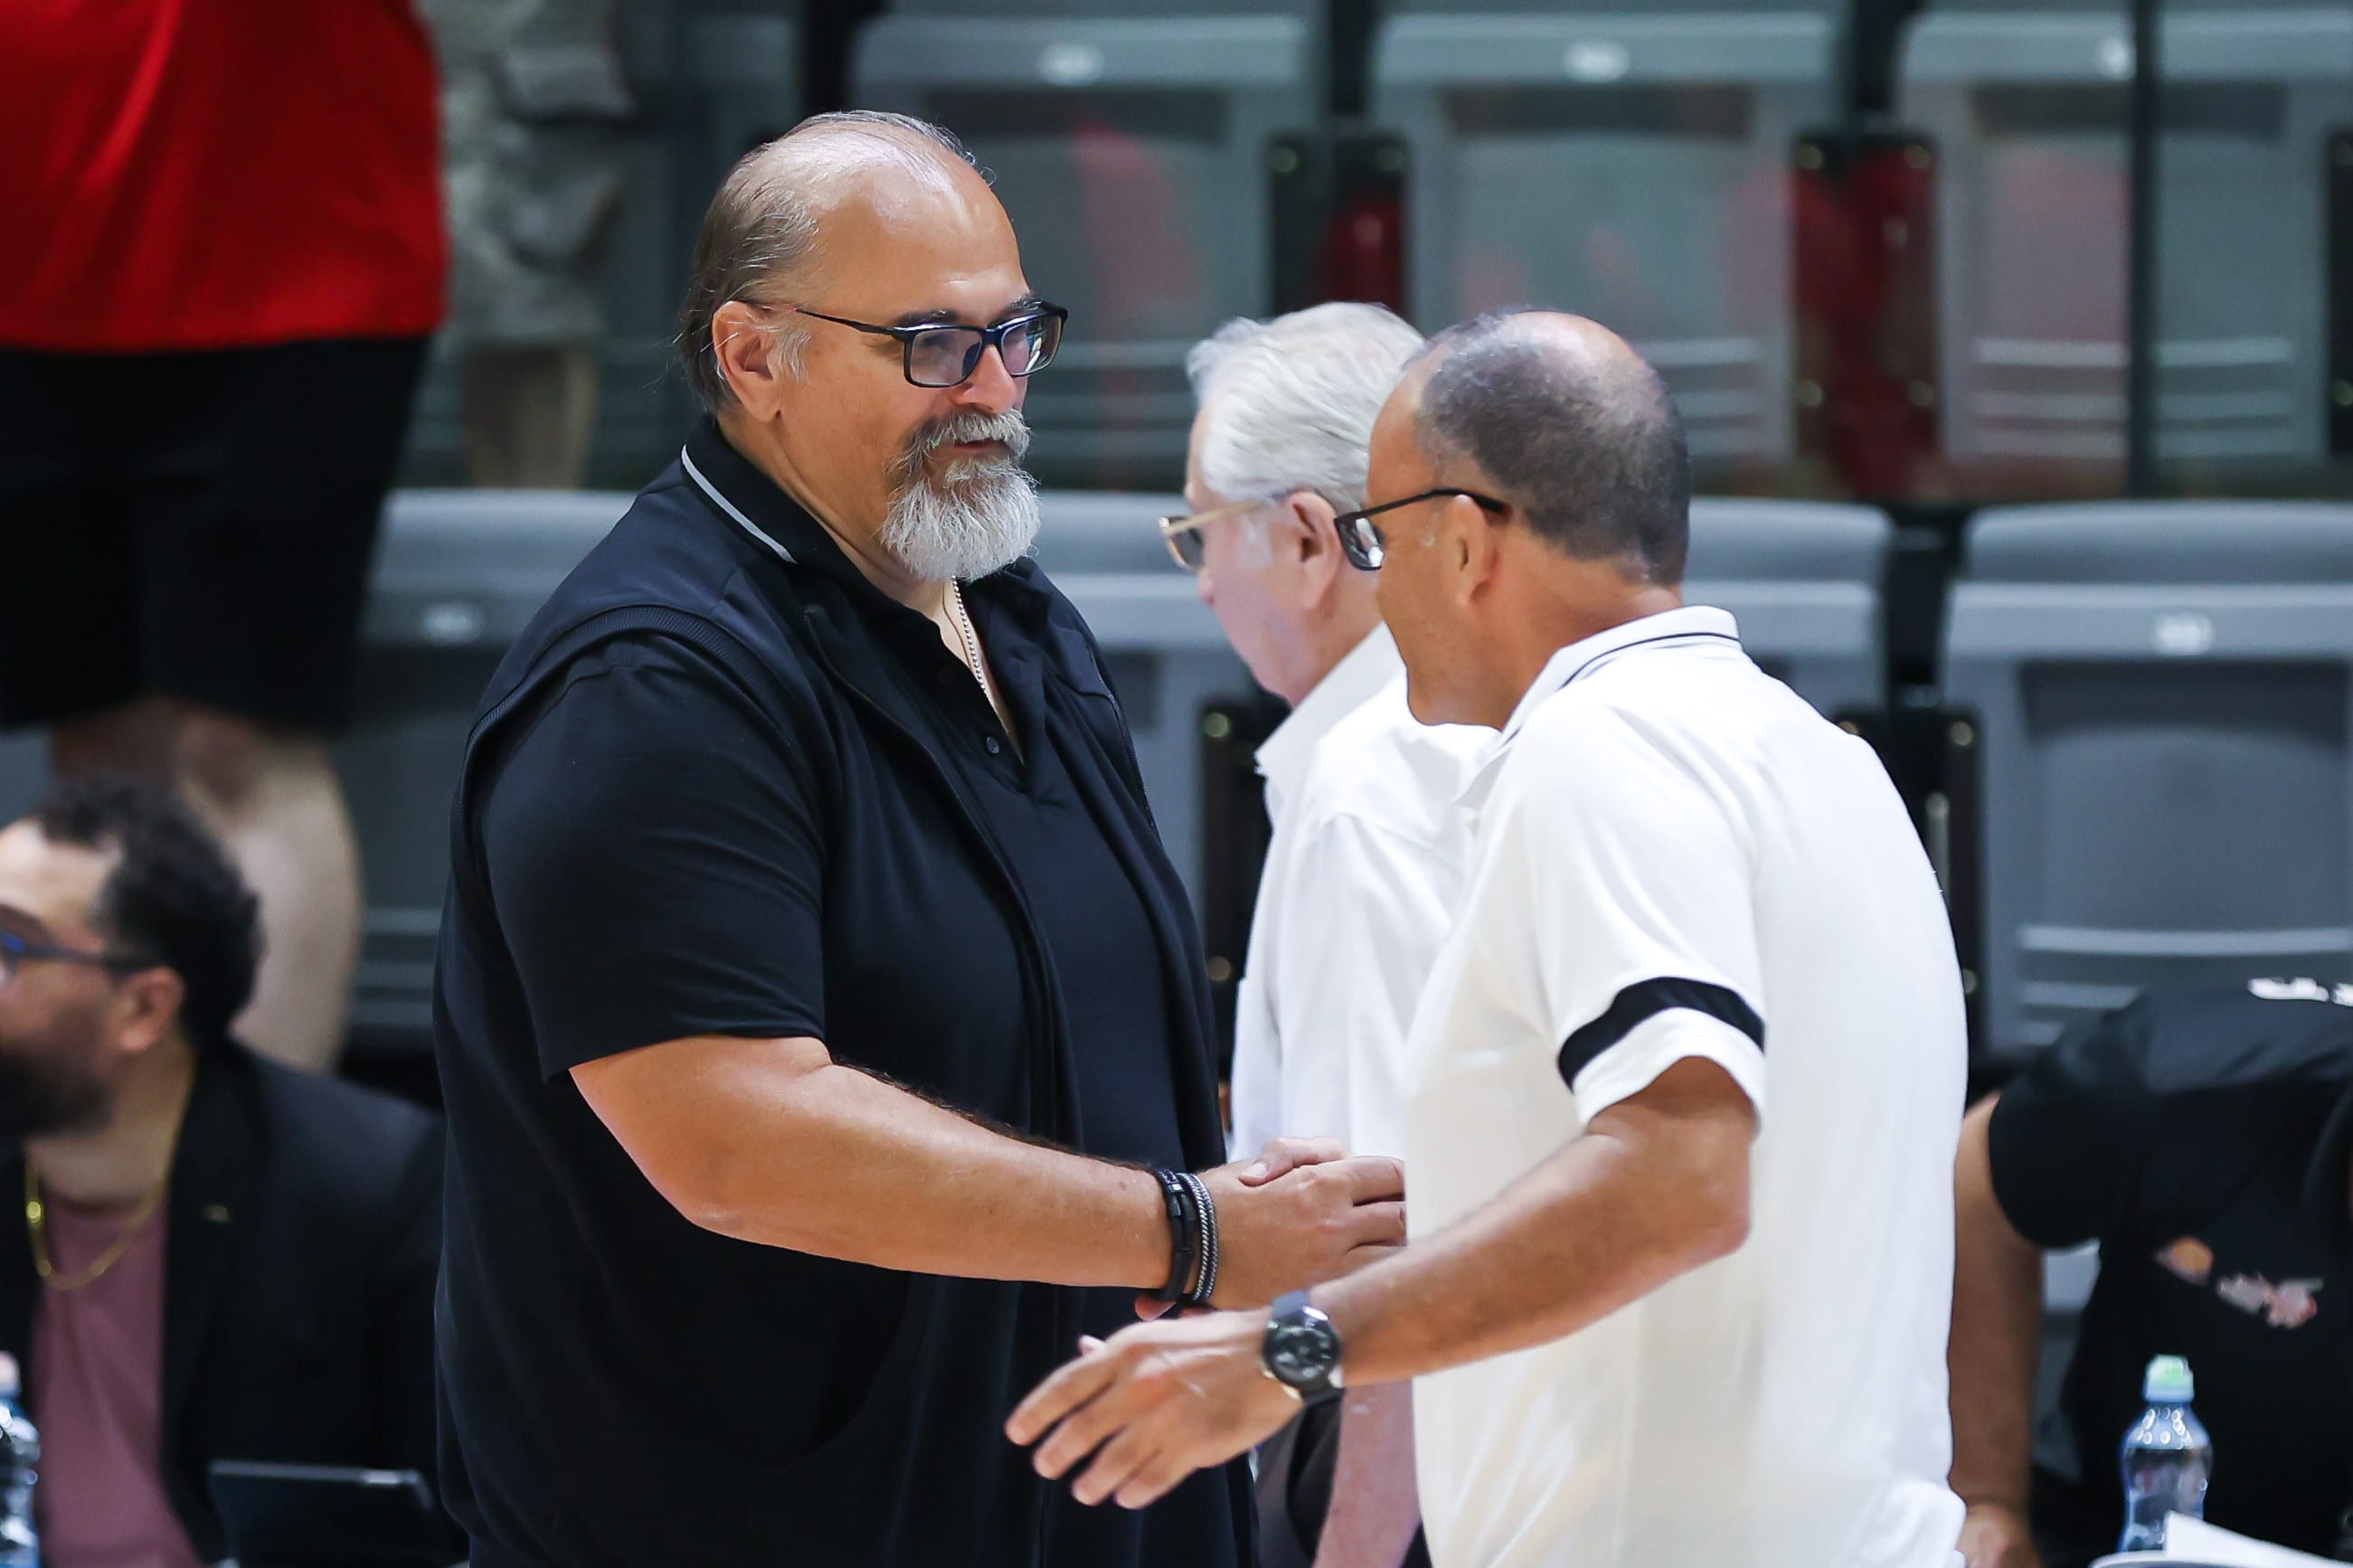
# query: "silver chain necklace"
(970, 638)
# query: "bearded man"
(823, 1030)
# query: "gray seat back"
(1804, 580)
(457, 575)
(1131, 150)
(712, 80)
(2026, 111)
(1628, 164)
(2157, 701)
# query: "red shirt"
(207, 173)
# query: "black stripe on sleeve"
(1647, 999)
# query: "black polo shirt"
(723, 786)
(2204, 1138)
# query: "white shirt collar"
(1283, 756)
(1668, 628)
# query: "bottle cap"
(2168, 1381)
(10, 1383)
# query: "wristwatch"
(1302, 1349)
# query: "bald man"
(1685, 1085)
(823, 1031)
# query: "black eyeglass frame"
(1364, 543)
(990, 337)
(15, 950)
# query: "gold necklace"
(37, 1225)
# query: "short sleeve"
(1642, 896)
(2068, 1138)
(655, 861)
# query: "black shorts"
(194, 525)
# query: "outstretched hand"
(1303, 1211)
(1152, 1404)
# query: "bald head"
(1568, 424)
(764, 237)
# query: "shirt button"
(993, 747)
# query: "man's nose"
(990, 388)
(1201, 585)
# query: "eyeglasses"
(1365, 545)
(15, 951)
(943, 353)
(1182, 534)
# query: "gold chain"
(37, 1225)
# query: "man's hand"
(1995, 1536)
(1284, 1224)
(1160, 1401)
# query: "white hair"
(1290, 403)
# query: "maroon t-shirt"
(97, 1387)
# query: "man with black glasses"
(208, 1256)
(824, 1032)
(1686, 1081)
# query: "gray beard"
(970, 517)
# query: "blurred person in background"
(2203, 1137)
(1683, 1090)
(214, 1257)
(229, 256)
(824, 1031)
(1366, 856)
(533, 104)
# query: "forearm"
(785, 1148)
(1374, 1505)
(1996, 1338)
(1638, 1200)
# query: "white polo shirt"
(1361, 876)
(1676, 856)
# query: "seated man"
(216, 1258)
(2203, 1136)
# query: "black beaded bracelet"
(1184, 1235)
(1207, 1284)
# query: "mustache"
(1009, 429)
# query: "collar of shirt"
(1283, 757)
(768, 514)
(1668, 628)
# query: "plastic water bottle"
(20, 1462)
(2168, 1459)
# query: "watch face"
(1303, 1354)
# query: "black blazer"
(304, 1237)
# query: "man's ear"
(744, 343)
(1306, 520)
(1469, 549)
(150, 1001)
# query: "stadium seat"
(1804, 580)
(457, 574)
(1626, 162)
(2026, 108)
(1129, 142)
(2152, 751)
(713, 78)
(24, 765)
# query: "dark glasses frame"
(987, 338)
(1364, 543)
(14, 950)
